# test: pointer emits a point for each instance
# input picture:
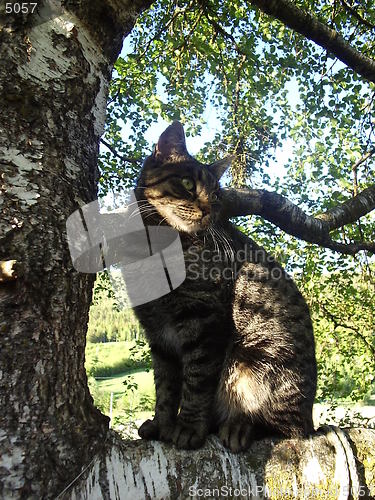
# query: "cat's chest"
(209, 265)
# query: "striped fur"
(232, 347)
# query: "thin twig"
(162, 29)
(219, 29)
(357, 15)
(128, 159)
(337, 324)
(363, 159)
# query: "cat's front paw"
(236, 435)
(187, 437)
(149, 430)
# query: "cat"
(232, 347)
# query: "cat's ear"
(172, 145)
(219, 167)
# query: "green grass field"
(125, 372)
(115, 384)
(125, 367)
(114, 358)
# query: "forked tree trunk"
(54, 72)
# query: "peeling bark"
(331, 464)
(54, 73)
(8, 270)
(309, 26)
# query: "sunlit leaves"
(261, 87)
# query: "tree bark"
(293, 220)
(55, 65)
(331, 464)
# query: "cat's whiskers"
(137, 202)
(142, 207)
(141, 212)
(163, 219)
(218, 240)
(216, 246)
(148, 215)
(226, 245)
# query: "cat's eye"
(188, 183)
(214, 197)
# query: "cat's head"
(185, 192)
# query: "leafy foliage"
(107, 322)
(343, 314)
(299, 122)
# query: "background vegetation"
(299, 122)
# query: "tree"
(217, 45)
(322, 467)
(54, 72)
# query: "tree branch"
(270, 469)
(161, 29)
(293, 220)
(318, 32)
(351, 210)
(219, 29)
(337, 324)
(351, 248)
(363, 159)
(128, 159)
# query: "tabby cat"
(232, 347)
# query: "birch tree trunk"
(55, 64)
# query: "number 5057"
(17, 8)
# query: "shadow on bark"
(329, 464)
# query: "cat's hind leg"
(237, 433)
(239, 401)
(251, 406)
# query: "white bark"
(54, 74)
(330, 464)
